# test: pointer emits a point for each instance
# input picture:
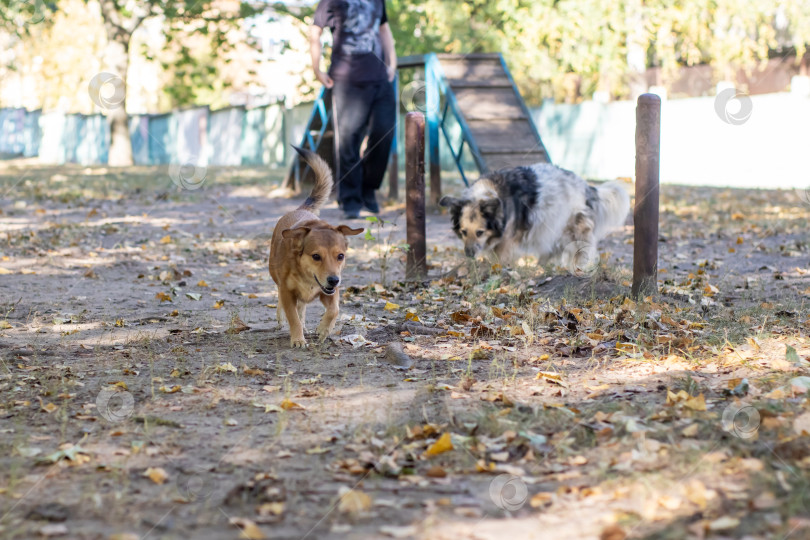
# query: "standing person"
(363, 66)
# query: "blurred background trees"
(180, 53)
(64, 46)
(570, 49)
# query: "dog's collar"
(324, 289)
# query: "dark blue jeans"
(360, 109)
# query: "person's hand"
(325, 79)
(392, 72)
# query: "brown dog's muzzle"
(331, 283)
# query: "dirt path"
(146, 390)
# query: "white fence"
(768, 150)
(596, 140)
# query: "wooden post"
(645, 213)
(416, 268)
(393, 164)
(432, 104)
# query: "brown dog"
(306, 257)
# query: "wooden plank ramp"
(501, 128)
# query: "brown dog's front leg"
(332, 304)
(290, 305)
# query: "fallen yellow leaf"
(47, 407)
(541, 499)
(443, 444)
(673, 398)
(166, 239)
(287, 405)
(156, 474)
(202, 283)
(389, 306)
(801, 424)
(226, 366)
(247, 529)
(218, 304)
(776, 393)
(270, 509)
(697, 403)
(251, 371)
(269, 407)
(354, 501)
(552, 377)
(724, 523)
(626, 347)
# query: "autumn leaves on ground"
(146, 390)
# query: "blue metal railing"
(322, 111)
(436, 87)
(441, 110)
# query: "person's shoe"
(351, 214)
(371, 205)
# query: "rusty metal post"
(645, 213)
(416, 268)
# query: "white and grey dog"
(540, 210)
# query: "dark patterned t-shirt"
(357, 53)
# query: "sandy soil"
(146, 390)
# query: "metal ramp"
(319, 137)
(471, 100)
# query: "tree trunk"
(117, 55)
(119, 28)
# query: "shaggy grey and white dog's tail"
(323, 180)
(611, 208)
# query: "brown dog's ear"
(297, 233)
(345, 230)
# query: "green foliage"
(197, 35)
(570, 48)
(18, 17)
(302, 14)
(193, 75)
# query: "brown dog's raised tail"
(323, 180)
